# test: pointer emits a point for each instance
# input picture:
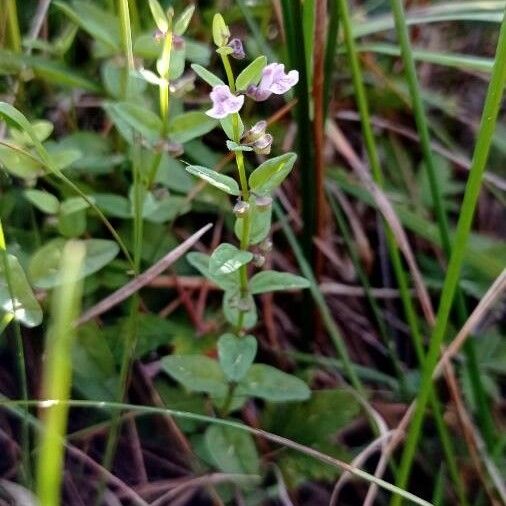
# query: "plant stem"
(483, 411)
(480, 156)
(393, 249)
(245, 194)
(21, 365)
(13, 26)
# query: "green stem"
(126, 41)
(395, 256)
(20, 355)
(480, 156)
(245, 193)
(483, 411)
(13, 26)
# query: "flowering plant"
(229, 266)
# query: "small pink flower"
(274, 80)
(224, 102)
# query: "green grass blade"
(185, 415)
(57, 377)
(483, 413)
(292, 14)
(480, 157)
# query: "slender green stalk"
(401, 276)
(126, 41)
(164, 97)
(294, 36)
(13, 25)
(480, 156)
(184, 415)
(241, 169)
(20, 355)
(483, 411)
(57, 378)
(4, 321)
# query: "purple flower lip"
(274, 81)
(224, 102)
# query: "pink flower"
(274, 80)
(224, 102)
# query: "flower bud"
(258, 260)
(265, 246)
(241, 208)
(254, 133)
(238, 49)
(158, 35)
(178, 42)
(262, 146)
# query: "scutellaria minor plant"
(229, 265)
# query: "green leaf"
(271, 384)
(113, 77)
(270, 174)
(113, 205)
(159, 15)
(221, 33)
(73, 224)
(271, 281)
(44, 271)
(23, 305)
(314, 423)
(74, 204)
(177, 62)
(201, 262)
(129, 117)
(182, 22)
(42, 200)
(100, 24)
(206, 76)
(251, 74)
(233, 451)
(233, 146)
(233, 301)
(236, 355)
(93, 364)
(196, 373)
(190, 125)
(227, 258)
(19, 163)
(220, 181)
(42, 129)
(260, 222)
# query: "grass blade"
(57, 377)
(482, 148)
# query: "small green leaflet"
(271, 281)
(220, 181)
(227, 258)
(251, 74)
(270, 174)
(23, 305)
(236, 355)
(206, 76)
